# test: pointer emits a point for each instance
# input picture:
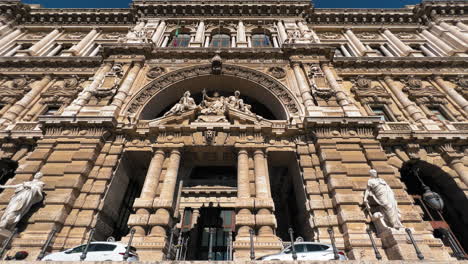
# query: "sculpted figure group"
(214, 105)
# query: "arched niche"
(254, 86)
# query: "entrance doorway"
(212, 236)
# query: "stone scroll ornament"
(26, 195)
(386, 212)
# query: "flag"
(176, 36)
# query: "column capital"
(295, 63)
(259, 152)
(159, 151)
(242, 151)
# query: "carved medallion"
(277, 72)
(367, 35)
(330, 35)
(155, 72)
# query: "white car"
(306, 251)
(97, 251)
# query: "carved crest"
(155, 72)
(62, 92)
(277, 72)
(11, 93)
(366, 93)
(423, 94)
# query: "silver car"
(306, 251)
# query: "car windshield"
(78, 249)
(300, 248)
(101, 247)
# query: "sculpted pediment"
(229, 110)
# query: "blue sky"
(318, 3)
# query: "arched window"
(221, 41)
(180, 40)
(261, 40)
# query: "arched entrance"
(264, 92)
(450, 223)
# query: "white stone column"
(9, 38)
(78, 48)
(153, 175)
(156, 38)
(12, 113)
(13, 50)
(341, 96)
(87, 92)
(233, 41)
(437, 42)
(241, 37)
(207, 42)
(462, 26)
(170, 179)
(124, 89)
(345, 51)
(360, 48)
(260, 175)
(55, 50)
(275, 41)
(455, 31)
(282, 31)
(34, 50)
(404, 49)
(303, 85)
(165, 42)
(410, 106)
(243, 186)
(426, 51)
(385, 51)
(459, 99)
(200, 35)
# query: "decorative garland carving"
(62, 92)
(187, 73)
(9, 94)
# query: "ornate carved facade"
(289, 107)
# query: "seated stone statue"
(383, 195)
(235, 102)
(212, 105)
(185, 104)
(26, 194)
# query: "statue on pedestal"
(26, 194)
(212, 105)
(186, 103)
(387, 210)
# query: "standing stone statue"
(383, 195)
(26, 194)
(186, 103)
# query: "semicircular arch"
(279, 96)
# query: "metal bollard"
(169, 250)
(49, 239)
(376, 251)
(331, 233)
(252, 249)
(85, 251)
(291, 236)
(127, 250)
(7, 242)
(210, 245)
(416, 248)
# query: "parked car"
(306, 251)
(97, 251)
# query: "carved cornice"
(401, 66)
(56, 65)
(111, 16)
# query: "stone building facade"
(92, 99)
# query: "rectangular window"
(438, 113)
(51, 110)
(380, 111)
